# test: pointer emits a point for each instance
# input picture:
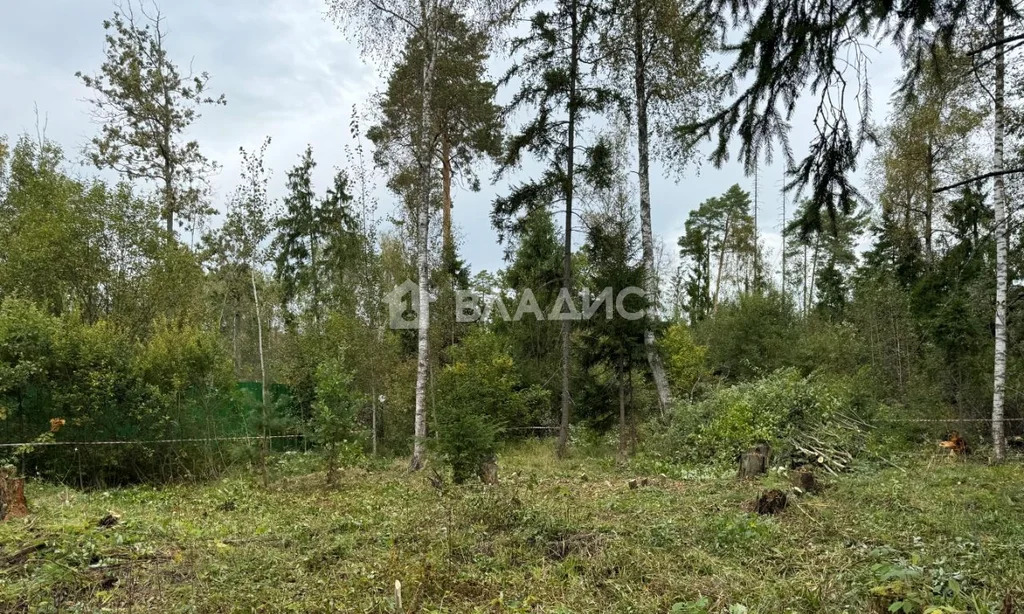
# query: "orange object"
(955, 444)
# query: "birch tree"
(381, 27)
(248, 225)
(1002, 233)
(657, 51)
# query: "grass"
(555, 536)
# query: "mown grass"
(555, 536)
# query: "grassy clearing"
(555, 536)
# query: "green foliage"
(333, 421)
(466, 120)
(722, 228)
(748, 337)
(685, 359)
(146, 106)
(105, 386)
(316, 242)
(478, 394)
(732, 419)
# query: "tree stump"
(12, 495)
(754, 462)
(804, 480)
(770, 502)
(489, 471)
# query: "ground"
(554, 536)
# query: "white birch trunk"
(263, 377)
(646, 234)
(1001, 234)
(422, 240)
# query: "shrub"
(106, 386)
(334, 412)
(735, 418)
(685, 360)
(749, 337)
(478, 394)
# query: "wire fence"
(296, 436)
(893, 458)
(142, 442)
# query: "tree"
(317, 241)
(556, 88)
(783, 48)
(1002, 234)
(926, 144)
(466, 122)
(616, 343)
(381, 26)
(145, 105)
(828, 254)
(536, 265)
(249, 221)
(658, 48)
(53, 233)
(718, 231)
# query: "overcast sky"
(290, 73)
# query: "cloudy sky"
(290, 73)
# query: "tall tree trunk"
(784, 242)
(259, 340)
(756, 277)
(814, 270)
(647, 236)
(422, 240)
(803, 273)
(314, 244)
(447, 244)
(168, 179)
(929, 202)
(563, 430)
(234, 341)
(1001, 237)
(721, 263)
(623, 436)
(263, 373)
(373, 418)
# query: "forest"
(239, 402)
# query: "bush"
(749, 337)
(106, 386)
(735, 418)
(685, 360)
(333, 421)
(478, 394)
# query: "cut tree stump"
(754, 462)
(489, 471)
(770, 502)
(12, 495)
(804, 480)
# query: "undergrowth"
(555, 536)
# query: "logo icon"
(404, 306)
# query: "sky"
(289, 72)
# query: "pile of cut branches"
(831, 445)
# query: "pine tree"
(557, 90)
